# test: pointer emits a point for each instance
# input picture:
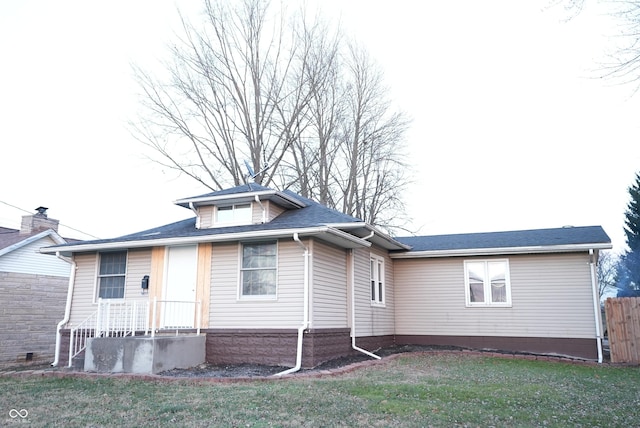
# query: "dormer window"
(229, 215)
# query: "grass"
(441, 390)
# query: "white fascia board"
(49, 232)
(502, 251)
(252, 235)
(246, 195)
(380, 234)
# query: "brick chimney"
(38, 222)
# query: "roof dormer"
(239, 206)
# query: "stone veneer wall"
(30, 308)
(279, 347)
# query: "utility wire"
(61, 224)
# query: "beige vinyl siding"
(273, 210)
(256, 212)
(228, 311)
(551, 297)
(138, 265)
(205, 214)
(373, 320)
(84, 291)
(84, 288)
(330, 282)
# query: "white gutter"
(501, 250)
(67, 309)
(242, 196)
(596, 304)
(192, 208)
(256, 234)
(305, 305)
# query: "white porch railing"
(175, 315)
(80, 334)
(124, 318)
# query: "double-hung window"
(377, 280)
(259, 270)
(111, 275)
(233, 214)
(487, 283)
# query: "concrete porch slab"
(144, 354)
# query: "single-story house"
(271, 277)
(33, 290)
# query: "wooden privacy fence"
(623, 325)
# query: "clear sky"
(512, 128)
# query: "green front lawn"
(413, 390)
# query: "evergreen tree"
(629, 267)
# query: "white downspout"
(353, 304)
(67, 309)
(264, 212)
(305, 317)
(596, 304)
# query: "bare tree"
(623, 64)
(372, 145)
(229, 98)
(258, 85)
(607, 271)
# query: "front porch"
(137, 335)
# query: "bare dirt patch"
(259, 370)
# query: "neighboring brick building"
(33, 290)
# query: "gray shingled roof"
(512, 239)
(313, 214)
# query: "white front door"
(178, 311)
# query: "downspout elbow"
(67, 309)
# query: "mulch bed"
(258, 370)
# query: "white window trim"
(253, 298)
(96, 276)
(487, 285)
(378, 301)
(235, 221)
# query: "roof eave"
(49, 232)
(326, 233)
(261, 194)
(570, 248)
(381, 238)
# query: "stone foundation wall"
(30, 308)
(279, 347)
